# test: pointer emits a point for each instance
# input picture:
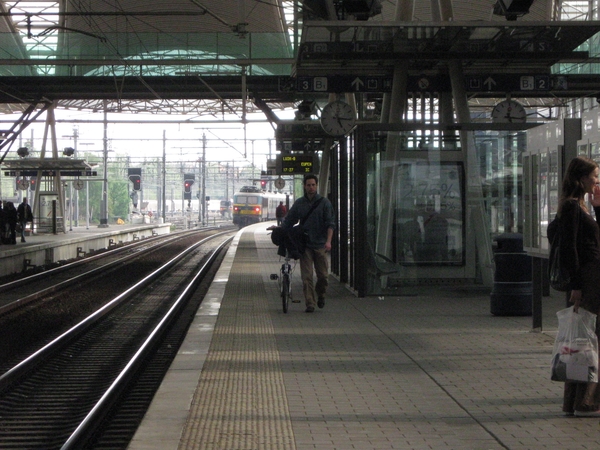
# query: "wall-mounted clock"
(509, 111)
(22, 184)
(338, 118)
(78, 184)
(279, 183)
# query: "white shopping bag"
(575, 354)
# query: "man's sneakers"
(310, 309)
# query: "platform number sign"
(312, 84)
(535, 83)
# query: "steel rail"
(30, 278)
(89, 424)
(28, 363)
(77, 278)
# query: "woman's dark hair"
(572, 187)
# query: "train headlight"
(257, 209)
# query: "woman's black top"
(580, 240)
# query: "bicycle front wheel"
(285, 291)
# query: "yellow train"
(225, 207)
(251, 205)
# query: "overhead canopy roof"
(174, 39)
(372, 47)
(190, 55)
(46, 164)
(103, 38)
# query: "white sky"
(224, 141)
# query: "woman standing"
(580, 252)
(10, 216)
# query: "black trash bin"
(512, 293)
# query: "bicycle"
(285, 282)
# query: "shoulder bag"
(298, 236)
(558, 274)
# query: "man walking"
(280, 213)
(315, 213)
(24, 215)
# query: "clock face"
(337, 118)
(22, 184)
(279, 183)
(78, 184)
(509, 111)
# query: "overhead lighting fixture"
(361, 9)
(23, 152)
(306, 108)
(511, 9)
(68, 151)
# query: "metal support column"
(474, 193)
(359, 186)
(537, 281)
(104, 203)
(164, 178)
(393, 109)
(334, 184)
(203, 190)
(342, 192)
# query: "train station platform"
(428, 368)
(43, 249)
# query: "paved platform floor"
(80, 232)
(429, 368)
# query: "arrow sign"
(489, 83)
(357, 84)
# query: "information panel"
(292, 164)
(430, 213)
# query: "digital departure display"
(297, 164)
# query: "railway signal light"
(263, 183)
(32, 184)
(135, 176)
(137, 182)
(188, 181)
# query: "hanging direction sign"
(299, 145)
(294, 130)
(367, 83)
(344, 83)
(515, 82)
(506, 82)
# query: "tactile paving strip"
(240, 402)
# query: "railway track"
(27, 287)
(38, 308)
(82, 389)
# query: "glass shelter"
(424, 211)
